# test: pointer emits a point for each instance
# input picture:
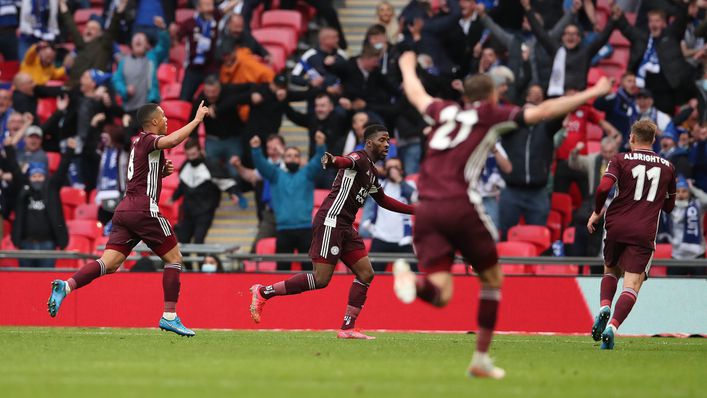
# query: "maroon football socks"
(623, 306)
(295, 285)
(489, 299)
(171, 285)
(608, 289)
(357, 297)
(87, 274)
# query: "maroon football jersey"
(458, 146)
(644, 181)
(144, 175)
(349, 191)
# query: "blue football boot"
(607, 339)
(600, 322)
(57, 296)
(176, 326)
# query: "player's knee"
(366, 276)
(492, 277)
(112, 266)
(321, 281)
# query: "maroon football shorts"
(329, 244)
(443, 227)
(131, 227)
(631, 258)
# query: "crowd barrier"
(220, 301)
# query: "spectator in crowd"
(656, 57)
(326, 119)
(9, 21)
(5, 108)
(224, 129)
(391, 232)
(685, 227)
(463, 36)
(268, 103)
(201, 182)
(292, 196)
(113, 167)
(576, 125)
(235, 36)
(377, 39)
(39, 63)
(385, 16)
(27, 93)
(16, 126)
(693, 46)
(491, 180)
(620, 106)
(201, 33)
(698, 156)
(679, 157)
(365, 88)
(32, 152)
(355, 136)
(212, 264)
(38, 21)
(94, 47)
(146, 11)
(426, 31)
(646, 110)
(593, 166)
(275, 150)
(530, 150)
(135, 80)
(239, 67)
(571, 60)
(39, 217)
(310, 70)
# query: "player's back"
(145, 167)
(644, 180)
(458, 146)
(349, 191)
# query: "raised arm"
(412, 86)
(560, 106)
(391, 204)
(312, 167)
(266, 169)
(548, 44)
(176, 138)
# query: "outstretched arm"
(391, 204)
(561, 106)
(338, 162)
(176, 138)
(412, 86)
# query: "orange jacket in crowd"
(244, 67)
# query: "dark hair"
(373, 129)
(660, 12)
(211, 80)
(274, 137)
(374, 30)
(644, 131)
(478, 87)
(192, 143)
(369, 51)
(115, 133)
(144, 114)
(324, 95)
(299, 152)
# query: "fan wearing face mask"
(39, 218)
(292, 192)
(200, 183)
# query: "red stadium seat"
(594, 132)
(90, 229)
(568, 236)
(6, 228)
(412, 178)
(178, 112)
(8, 70)
(618, 40)
(177, 54)
(264, 246)
(554, 223)
(86, 211)
(77, 243)
(662, 250)
(515, 249)
(170, 91)
(562, 203)
(171, 182)
(284, 37)
(45, 108)
(594, 75)
(8, 245)
(82, 16)
(319, 196)
(538, 235)
(54, 160)
(257, 16)
(278, 57)
(100, 241)
(613, 70)
(283, 18)
(70, 198)
(167, 73)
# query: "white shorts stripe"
(165, 226)
(325, 241)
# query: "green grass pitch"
(75, 362)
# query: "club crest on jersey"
(355, 156)
(335, 250)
